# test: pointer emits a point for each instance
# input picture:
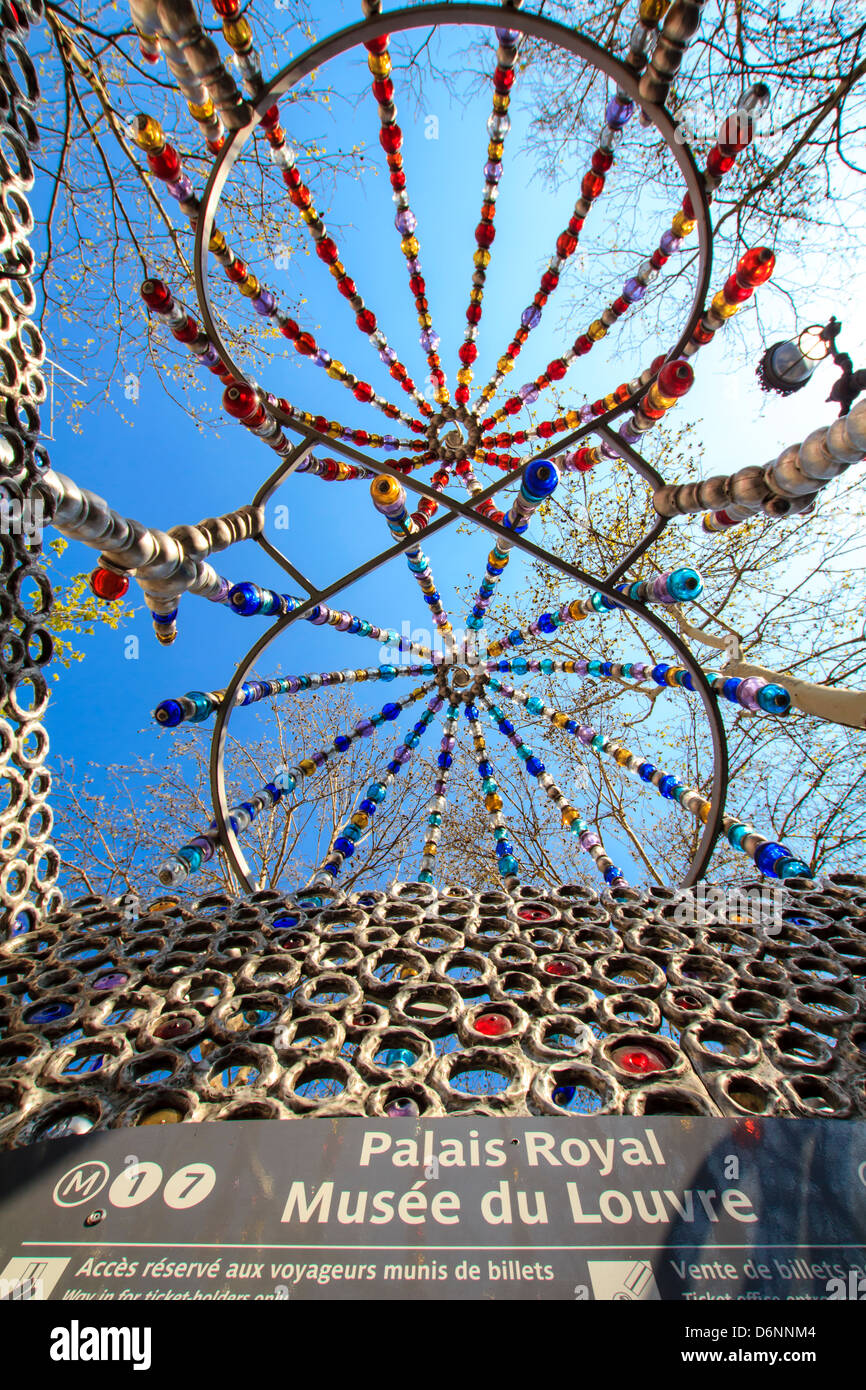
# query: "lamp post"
(787, 367)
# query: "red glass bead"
(463, 467)
(468, 353)
(546, 429)
(188, 332)
(756, 266)
(379, 45)
(556, 369)
(657, 362)
(591, 185)
(503, 79)
(226, 9)
(461, 395)
(734, 292)
(366, 321)
(237, 271)
(488, 211)
(346, 287)
(566, 245)
(301, 196)
(157, 295)
(473, 313)
(688, 210)
(488, 423)
(271, 118)
(239, 401)
(320, 423)
(329, 470)
(676, 378)
(640, 1061)
(719, 163)
(582, 345)
(440, 478)
(518, 438)
(383, 90)
(539, 299)
(108, 586)
(658, 259)
(619, 305)
(549, 281)
(485, 234)
(513, 405)
(703, 335)
(327, 251)
(503, 440)
(398, 180)
(575, 225)
(291, 178)
(736, 133)
(165, 165)
(489, 458)
(391, 138)
(306, 344)
(417, 284)
(560, 967)
(583, 460)
(421, 303)
(363, 391)
(360, 437)
(428, 506)
(601, 161)
(438, 376)
(392, 412)
(493, 1025)
(598, 407)
(398, 371)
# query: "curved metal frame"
(584, 49)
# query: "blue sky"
(156, 466)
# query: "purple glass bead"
(429, 340)
(535, 665)
(222, 592)
(531, 316)
(406, 221)
(581, 666)
(414, 266)
(448, 744)
(318, 758)
(585, 414)
(323, 358)
(113, 981)
(608, 450)
(439, 788)
(436, 703)
(633, 290)
(210, 356)
(630, 435)
(265, 304)
(365, 728)
(617, 112)
(510, 37)
(182, 189)
(389, 441)
(670, 243)
(639, 670)
(589, 840)
(585, 734)
(747, 695)
(529, 393)
(403, 754)
(344, 623)
(493, 171)
(205, 845)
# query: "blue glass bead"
(246, 599)
(508, 37)
(684, 678)
(485, 768)
(593, 668)
(365, 628)
(488, 786)
(768, 855)
(444, 760)
(774, 699)
(729, 690)
(563, 1095)
(531, 316)
(499, 832)
(607, 668)
(354, 626)
(520, 666)
(598, 743)
(427, 668)
(274, 791)
(394, 766)
(507, 865)
(377, 720)
(504, 848)
(502, 666)
(169, 714)
(541, 477)
(396, 1057)
(425, 876)
(685, 584)
(535, 766)
(474, 623)
(434, 818)
(598, 602)
(618, 112)
(534, 705)
(645, 772)
(792, 868)
(633, 290)
(284, 923)
(387, 673)
(412, 741)
(612, 873)
(572, 726)
(515, 639)
(341, 743)
(376, 792)
(203, 706)
(49, 1013)
(547, 666)
(666, 786)
(164, 617)
(390, 711)
(471, 712)
(506, 727)
(546, 623)
(737, 834)
(368, 807)
(420, 727)
(352, 832)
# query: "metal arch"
(453, 14)
(581, 47)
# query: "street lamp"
(787, 367)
